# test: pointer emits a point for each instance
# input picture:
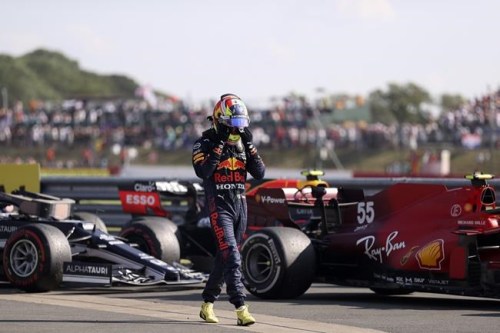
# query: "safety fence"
(99, 195)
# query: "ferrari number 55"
(408, 237)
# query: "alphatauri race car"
(407, 237)
(43, 247)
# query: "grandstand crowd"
(94, 126)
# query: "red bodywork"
(142, 203)
(408, 236)
(152, 198)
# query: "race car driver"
(222, 157)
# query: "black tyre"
(156, 238)
(278, 262)
(92, 218)
(203, 264)
(33, 257)
(155, 219)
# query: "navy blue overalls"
(224, 173)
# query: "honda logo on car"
(140, 199)
(271, 200)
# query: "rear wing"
(286, 205)
(306, 194)
(165, 188)
(147, 197)
(179, 188)
(37, 204)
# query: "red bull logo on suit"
(231, 164)
(230, 172)
(219, 232)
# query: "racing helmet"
(230, 111)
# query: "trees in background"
(400, 103)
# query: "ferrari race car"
(43, 247)
(408, 237)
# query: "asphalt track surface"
(324, 308)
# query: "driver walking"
(222, 157)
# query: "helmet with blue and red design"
(230, 111)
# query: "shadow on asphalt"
(354, 298)
(111, 322)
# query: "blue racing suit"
(223, 168)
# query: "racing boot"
(207, 313)
(244, 317)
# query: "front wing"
(111, 274)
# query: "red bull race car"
(180, 204)
(407, 237)
(44, 247)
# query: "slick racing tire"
(202, 263)
(34, 256)
(92, 218)
(278, 263)
(160, 220)
(156, 238)
(155, 219)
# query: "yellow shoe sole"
(210, 321)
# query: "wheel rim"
(24, 258)
(259, 264)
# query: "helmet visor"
(239, 122)
(235, 121)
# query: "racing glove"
(219, 138)
(247, 140)
(223, 133)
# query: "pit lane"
(324, 308)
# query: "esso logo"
(140, 199)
